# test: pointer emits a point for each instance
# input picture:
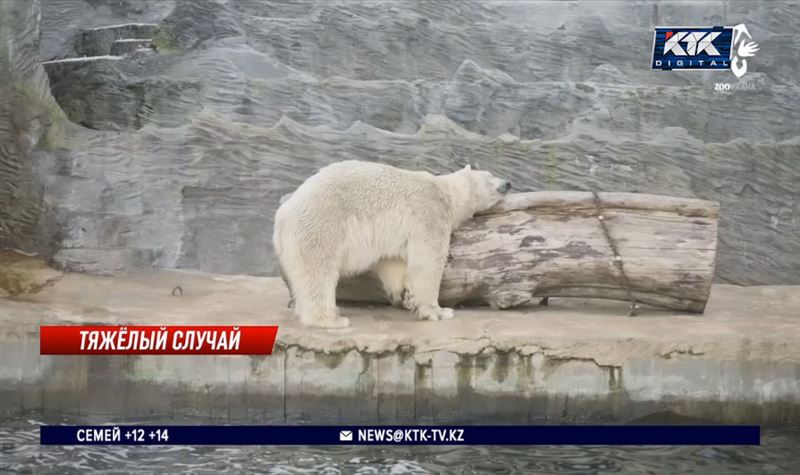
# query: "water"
(20, 453)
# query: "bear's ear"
(468, 168)
(475, 166)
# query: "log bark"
(553, 244)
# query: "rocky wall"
(178, 148)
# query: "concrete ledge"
(576, 360)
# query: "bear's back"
(366, 189)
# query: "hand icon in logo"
(747, 49)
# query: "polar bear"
(353, 217)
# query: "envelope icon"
(345, 436)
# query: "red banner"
(151, 340)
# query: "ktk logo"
(699, 48)
(696, 42)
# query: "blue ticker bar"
(398, 435)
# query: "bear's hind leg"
(316, 301)
(392, 274)
(289, 304)
(426, 262)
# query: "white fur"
(352, 217)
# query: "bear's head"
(486, 190)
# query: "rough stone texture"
(193, 144)
(26, 111)
(739, 363)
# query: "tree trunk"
(649, 249)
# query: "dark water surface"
(20, 452)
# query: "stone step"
(130, 45)
(98, 41)
(77, 63)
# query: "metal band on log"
(651, 249)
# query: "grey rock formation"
(176, 157)
(27, 110)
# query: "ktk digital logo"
(697, 48)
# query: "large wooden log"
(554, 244)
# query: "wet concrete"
(575, 360)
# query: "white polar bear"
(353, 216)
